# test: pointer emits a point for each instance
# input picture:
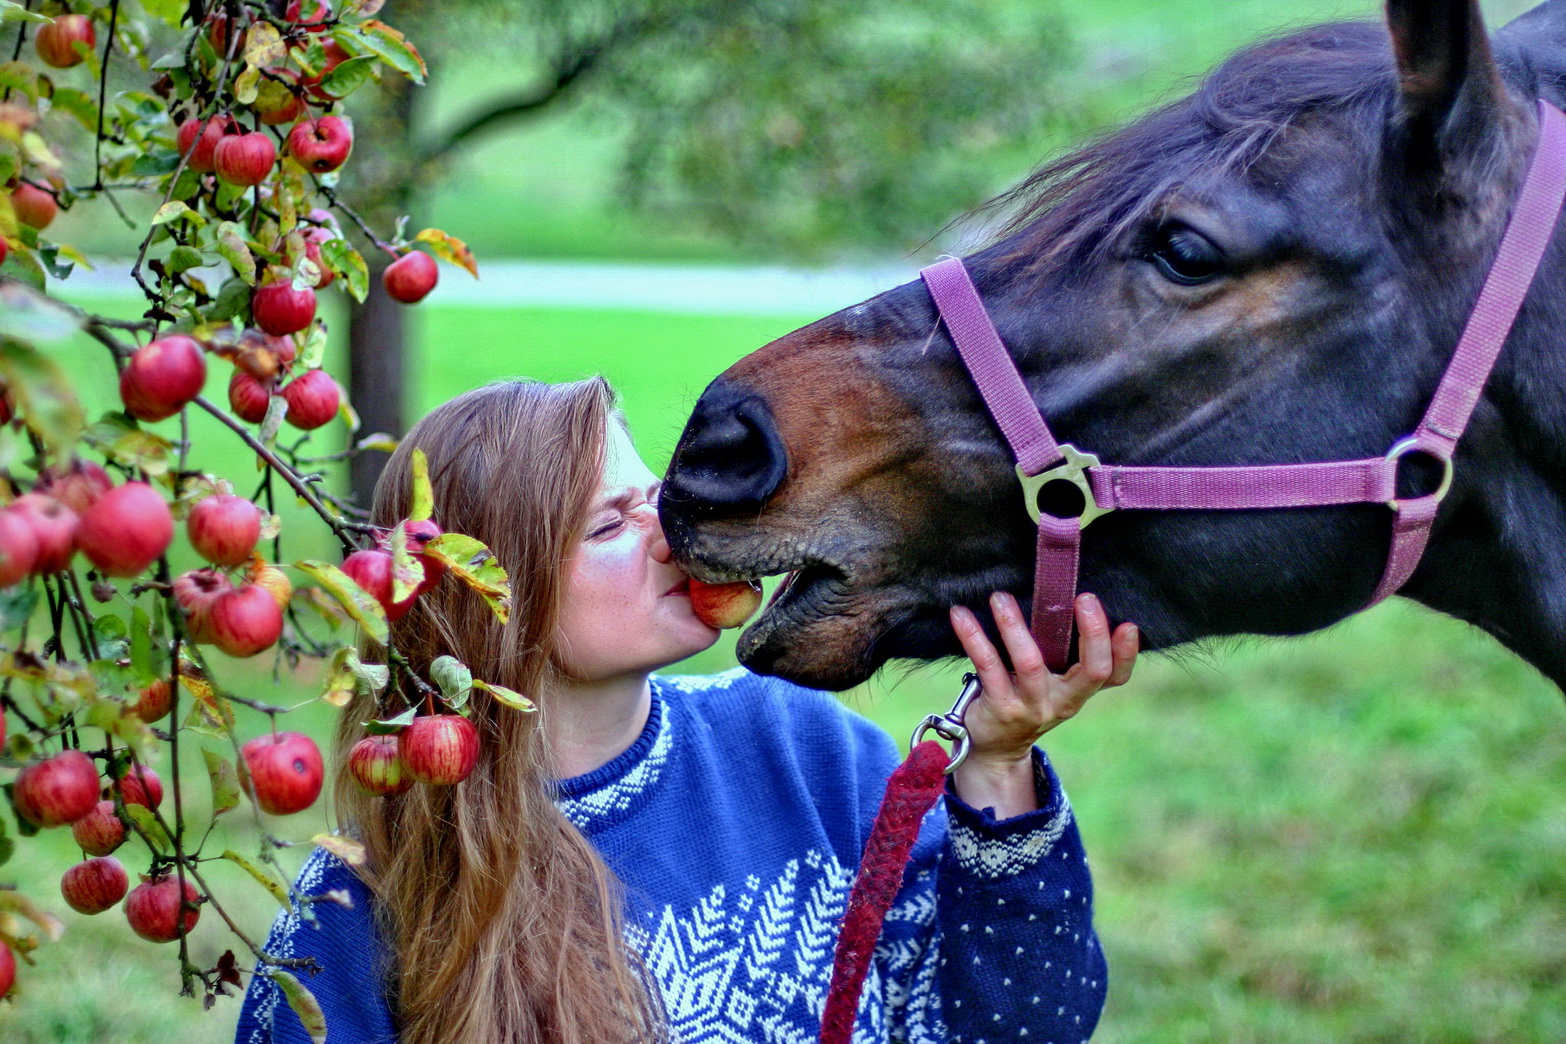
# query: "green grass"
(1355, 837)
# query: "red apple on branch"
(220, 33)
(126, 530)
(247, 397)
(283, 772)
(18, 548)
(94, 885)
(77, 487)
(321, 145)
(244, 159)
(7, 969)
(419, 536)
(224, 529)
(280, 309)
(725, 605)
(139, 785)
(57, 790)
(372, 570)
(264, 574)
(200, 139)
(376, 766)
(410, 278)
(195, 592)
(278, 100)
(162, 376)
(245, 621)
(54, 528)
(56, 42)
(313, 399)
(439, 748)
(313, 21)
(155, 908)
(33, 206)
(100, 831)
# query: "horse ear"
(1448, 84)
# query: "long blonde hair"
(503, 922)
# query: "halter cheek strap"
(1041, 460)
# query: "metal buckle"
(1074, 471)
(1412, 444)
(949, 726)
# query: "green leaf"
(16, 606)
(13, 12)
(391, 726)
(340, 256)
(23, 826)
(183, 259)
(231, 247)
(449, 248)
(392, 47)
(303, 1002)
(19, 76)
(454, 679)
(353, 598)
(119, 437)
(314, 347)
(510, 697)
(475, 565)
(348, 76)
(141, 647)
(151, 829)
(247, 84)
(225, 783)
(270, 883)
(233, 297)
(174, 210)
(110, 628)
(407, 571)
(264, 45)
(423, 495)
(43, 391)
(78, 104)
(33, 317)
(345, 848)
(210, 714)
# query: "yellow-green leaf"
(225, 783)
(407, 571)
(264, 45)
(151, 830)
(474, 564)
(354, 599)
(44, 393)
(510, 697)
(393, 48)
(423, 495)
(449, 248)
(176, 211)
(303, 1002)
(270, 883)
(345, 848)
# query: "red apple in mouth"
(725, 605)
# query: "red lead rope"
(913, 788)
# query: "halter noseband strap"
(1109, 487)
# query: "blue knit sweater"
(735, 822)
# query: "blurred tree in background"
(798, 126)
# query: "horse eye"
(1185, 256)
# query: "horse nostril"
(731, 454)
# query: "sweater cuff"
(995, 849)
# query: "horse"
(1271, 270)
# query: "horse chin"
(822, 631)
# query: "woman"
(651, 858)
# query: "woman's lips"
(681, 588)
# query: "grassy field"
(1355, 837)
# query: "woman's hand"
(1018, 706)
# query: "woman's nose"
(659, 547)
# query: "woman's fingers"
(1027, 662)
(986, 660)
(1124, 644)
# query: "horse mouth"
(818, 627)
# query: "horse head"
(1272, 270)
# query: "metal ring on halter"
(1074, 471)
(1413, 444)
(949, 726)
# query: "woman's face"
(627, 605)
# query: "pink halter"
(1110, 487)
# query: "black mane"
(1074, 207)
